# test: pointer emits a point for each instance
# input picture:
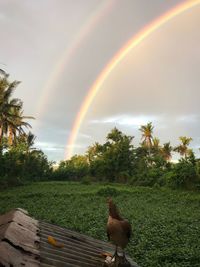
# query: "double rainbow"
(120, 55)
(48, 89)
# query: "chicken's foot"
(115, 254)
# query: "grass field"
(166, 224)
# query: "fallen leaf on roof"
(54, 243)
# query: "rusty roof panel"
(79, 250)
(24, 242)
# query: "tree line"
(149, 164)
(19, 160)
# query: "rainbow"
(120, 55)
(64, 59)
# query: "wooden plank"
(10, 256)
(19, 239)
(20, 236)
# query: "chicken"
(118, 229)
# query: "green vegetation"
(118, 160)
(165, 222)
(20, 162)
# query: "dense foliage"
(19, 160)
(117, 160)
(165, 223)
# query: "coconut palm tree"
(7, 117)
(7, 104)
(167, 151)
(16, 124)
(147, 137)
(156, 143)
(28, 139)
(11, 114)
(183, 147)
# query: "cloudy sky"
(58, 48)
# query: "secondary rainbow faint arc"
(120, 55)
(89, 25)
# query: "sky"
(58, 48)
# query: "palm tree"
(167, 151)
(17, 124)
(147, 138)
(156, 143)
(28, 140)
(7, 104)
(11, 114)
(183, 147)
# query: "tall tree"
(156, 144)
(118, 155)
(94, 151)
(7, 103)
(17, 124)
(183, 149)
(147, 136)
(11, 114)
(167, 151)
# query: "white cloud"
(76, 146)
(192, 118)
(128, 120)
(47, 146)
(86, 136)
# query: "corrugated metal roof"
(79, 250)
(24, 242)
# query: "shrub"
(123, 177)
(149, 177)
(183, 175)
(108, 191)
(87, 180)
(10, 181)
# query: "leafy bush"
(18, 167)
(124, 177)
(87, 180)
(10, 181)
(74, 169)
(149, 177)
(183, 175)
(108, 191)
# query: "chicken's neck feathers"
(114, 213)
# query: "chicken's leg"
(124, 256)
(115, 254)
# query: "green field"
(166, 224)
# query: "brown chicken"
(118, 229)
